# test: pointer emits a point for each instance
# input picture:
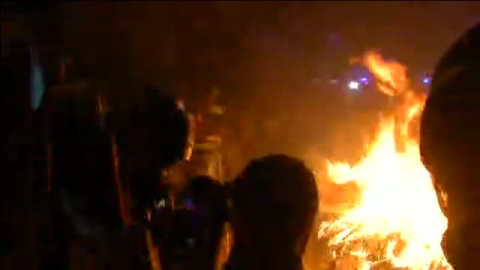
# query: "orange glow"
(397, 221)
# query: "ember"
(397, 221)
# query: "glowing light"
(364, 79)
(160, 204)
(396, 222)
(37, 84)
(353, 85)
(426, 80)
(188, 203)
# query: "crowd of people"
(106, 181)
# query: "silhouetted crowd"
(105, 173)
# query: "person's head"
(207, 191)
(274, 203)
(450, 146)
(166, 127)
(155, 136)
(194, 237)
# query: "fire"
(397, 221)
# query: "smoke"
(271, 61)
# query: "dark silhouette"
(150, 134)
(274, 203)
(450, 147)
(83, 200)
(153, 134)
(189, 231)
(17, 189)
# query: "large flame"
(397, 221)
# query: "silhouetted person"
(210, 215)
(190, 240)
(274, 203)
(450, 147)
(151, 134)
(83, 199)
(17, 191)
(155, 135)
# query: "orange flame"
(397, 220)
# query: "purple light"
(426, 80)
(364, 79)
(188, 203)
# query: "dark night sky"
(153, 37)
(258, 42)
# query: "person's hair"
(152, 134)
(274, 202)
(166, 127)
(205, 189)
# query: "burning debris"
(395, 221)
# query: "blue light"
(426, 80)
(37, 85)
(188, 203)
(364, 79)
